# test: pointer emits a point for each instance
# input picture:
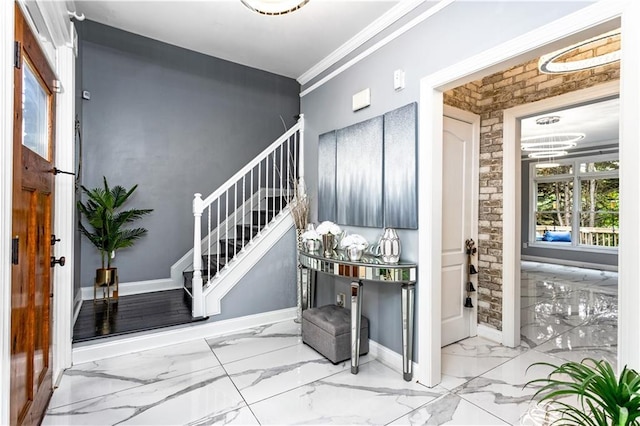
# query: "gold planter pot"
(107, 284)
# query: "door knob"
(60, 261)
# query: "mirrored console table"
(369, 268)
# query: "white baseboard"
(154, 339)
(587, 265)
(490, 333)
(388, 357)
(137, 287)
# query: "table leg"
(300, 274)
(308, 290)
(311, 292)
(304, 287)
(356, 311)
(408, 291)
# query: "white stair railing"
(267, 182)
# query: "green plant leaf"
(106, 221)
(603, 398)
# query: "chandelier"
(549, 146)
(274, 7)
(548, 64)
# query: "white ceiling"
(287, 45)
(598, 121)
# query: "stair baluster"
(283, 157)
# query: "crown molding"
(386, 40)
(392, 15)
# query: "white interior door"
(459, 223)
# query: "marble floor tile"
(611, 289)
(544, 289)
(501, 391)
(268, 376)
(592, 341)
(450, 409)
(553, 312)
(472, 357)
(88, 380)
(255, 341)
(180, 400)
(603, 307)
(568, 274)
(537, 325)
(242, 416)
(278, 371)
(376, 395)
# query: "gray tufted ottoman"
(327, 329)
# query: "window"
(576, 203)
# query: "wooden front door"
(33, 148)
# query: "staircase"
(226, 249)
(240, 221)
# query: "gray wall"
(557, 255)
(269, 286)
(175, 122)
(457, 32)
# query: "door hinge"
(57, 86)
(17, 55)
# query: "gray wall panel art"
(400, 189)
(367, 172)
(359, 174)
(327, 176)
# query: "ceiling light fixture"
(547, 63)
(556, 140)
(547, 154)
(548, 146)
(549, 119)
(547, 165)
(274, 7)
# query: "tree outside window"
(600, 200)
(588, 217)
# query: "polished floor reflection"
(131, 314)
(266, 375)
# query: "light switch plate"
(398, 79)
(361, 99)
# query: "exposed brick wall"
(488, 98)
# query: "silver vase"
(328, 241)
(390, 246)
(312, 245)
(355, 253)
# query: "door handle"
(54, 240)
(55, 261)
(15, 250)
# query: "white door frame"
(512, 172)
(587, 22)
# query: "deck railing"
(229, 211)
(592, 236)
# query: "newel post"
(196, 283)
(301, 183)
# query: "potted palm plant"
(602, 398)
(107, 225)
